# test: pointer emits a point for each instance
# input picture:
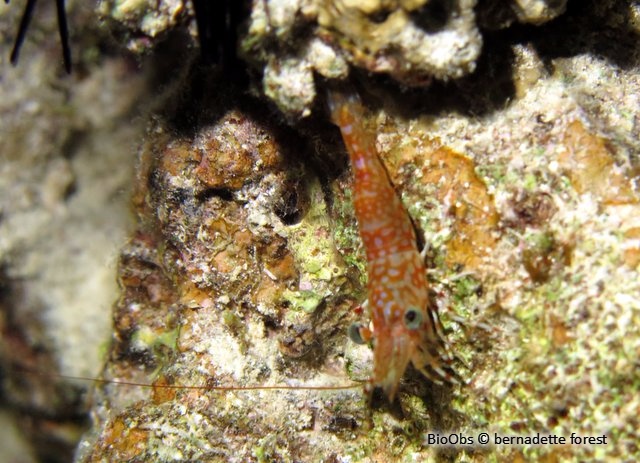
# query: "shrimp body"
(404, 327)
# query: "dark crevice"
(433, 16)
(210, 193)
(380, 16)
(218, 24)
(289, 208)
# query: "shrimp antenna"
(187, 387)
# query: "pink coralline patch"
(234, 151)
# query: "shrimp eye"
(413, 318)
(354, 333)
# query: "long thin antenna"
(208, 388)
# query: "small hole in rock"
(433, 16)
(289, 208)
(222, 193)
(380, 16)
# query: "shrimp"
(404, 327)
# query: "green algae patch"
(311, 242)
(306, 301)
(345, 229)
(147, 338)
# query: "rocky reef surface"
(510, 129)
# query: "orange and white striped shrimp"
(404, 325)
